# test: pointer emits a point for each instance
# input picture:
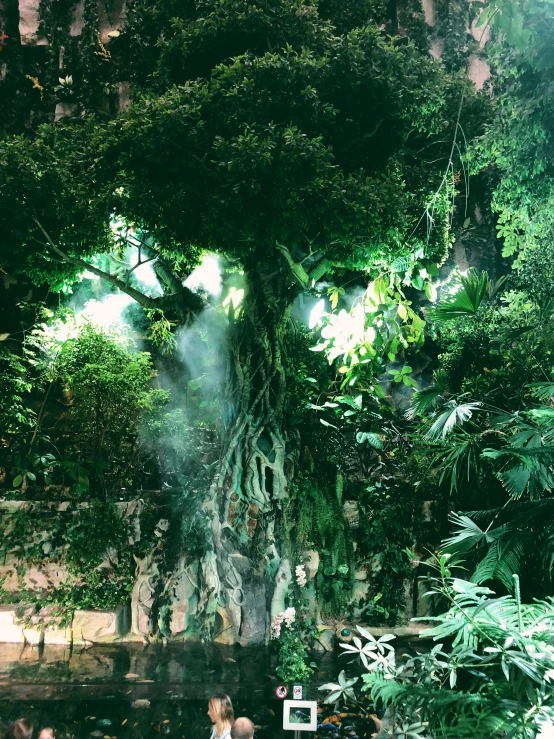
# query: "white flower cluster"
(287, 617)
(301, 577)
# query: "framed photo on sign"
(300, 715)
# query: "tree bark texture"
(257, 459)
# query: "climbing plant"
(314, 520)
(89, 541)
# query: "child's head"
(22, 728)
(46, 733)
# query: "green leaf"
(371, 438)
(401, 264)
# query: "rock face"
(142, 596)
(112, 20)
(282, 582)
(49, 575)
(184, 600)
(101, 627)
(28, 22)
(478, 72)
(242, 614)
(253, 627)
(78, 20)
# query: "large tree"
(296, 153)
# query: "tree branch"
(139, 264)
(191, 302)
(141, 298)
(320, 269)
(304, 277)
(296, 268)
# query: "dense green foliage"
(490, 674)
(391, 523)
(518, 142)
(298, 143)
(267, 146)
(314, 520)
(321, 153)
(41, 534)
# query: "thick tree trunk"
(257, 460)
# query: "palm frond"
(522, 530)
(517, 512)
(453, 415)
(543, 417)
(515, 480)
(503, 559)
(513, 334)
(476, 287)
(546, 309)
(543, 390)
(468, 535)
(531, 471)
(494, 286)
(460, 458)
(548, 553)
(423, 400)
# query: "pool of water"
(131, 691)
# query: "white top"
(226, 734)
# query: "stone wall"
(110, 24)
(51, 574)
(133, 621)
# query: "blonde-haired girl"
(220, 711)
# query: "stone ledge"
(408, 630)
(101, 627)
(10, 631)
(88, 627)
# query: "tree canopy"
(319, 152)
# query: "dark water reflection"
(115, 718)
(133, 690)
(63, 688)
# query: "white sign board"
(300, 715)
